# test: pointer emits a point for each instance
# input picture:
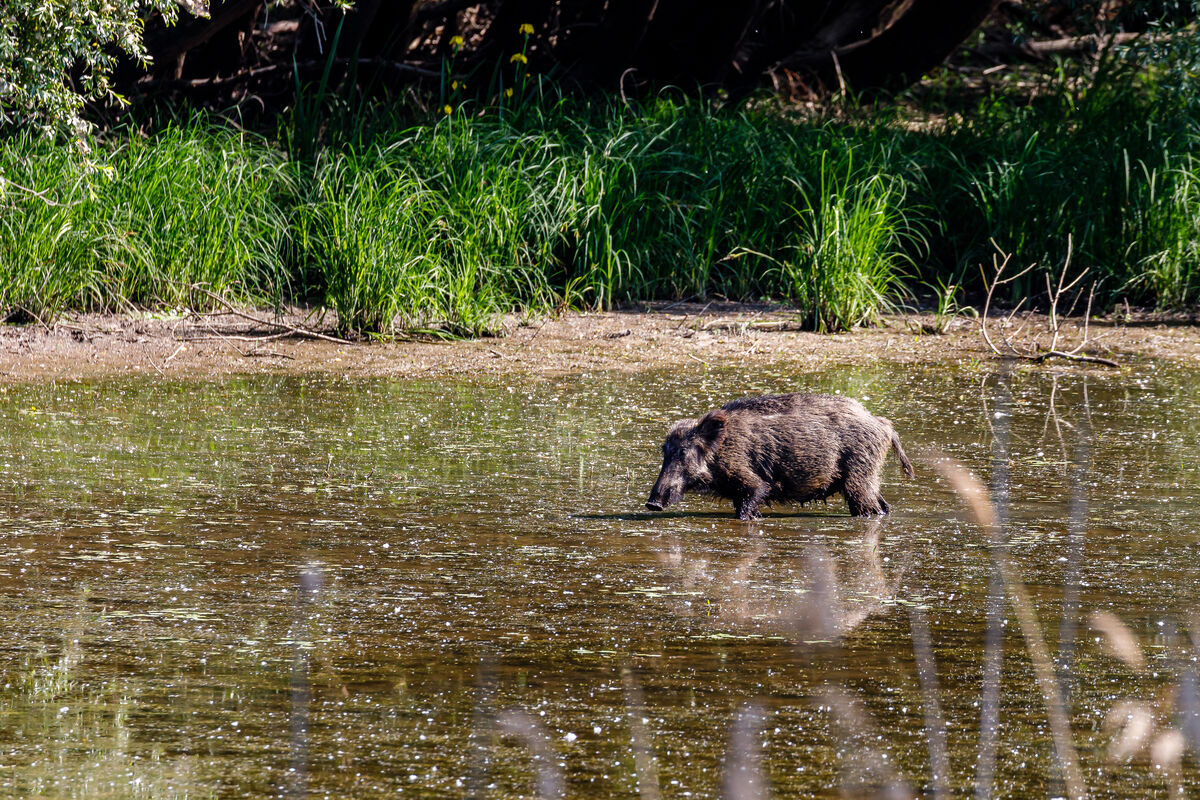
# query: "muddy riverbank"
(94, 346)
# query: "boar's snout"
(660, 497)
(668, 490)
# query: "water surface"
(336, 588)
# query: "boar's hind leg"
(863, 497)
(863, 507)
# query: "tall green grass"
(446, 222)
(853, 245)
(1106, 162)
(445, 225)
(142, 222)
(1163, 230)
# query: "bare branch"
(1108, 362)
(6, 182)
(1087, 315)
(1053, 298)
(1033, 348)
(988, 301)
(1024, 322)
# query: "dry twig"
(1032, 350)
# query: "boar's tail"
(905, 464)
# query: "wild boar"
(780, 448)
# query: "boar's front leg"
(747, 506)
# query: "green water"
(297, 586)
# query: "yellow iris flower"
(519, 57)
(526, 29)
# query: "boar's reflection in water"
(840, 592)
(780, 448)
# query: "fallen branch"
(1108, 362)
(266, 337)
(157, 368)
(291, 329)
(268, 354)
(767, 325)
(178, 350)
(1072, 45)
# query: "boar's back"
(766, 404)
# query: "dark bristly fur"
(780, 448)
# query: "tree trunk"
(895, 54)
(204, 46)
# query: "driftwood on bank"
(764, 325)
(1075, 45)
(1007, 50)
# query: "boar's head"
(688, 455)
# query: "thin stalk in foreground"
(644, 763)
(1076, 528)
(975, 497)
(743, 778)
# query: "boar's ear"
(711, 428)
